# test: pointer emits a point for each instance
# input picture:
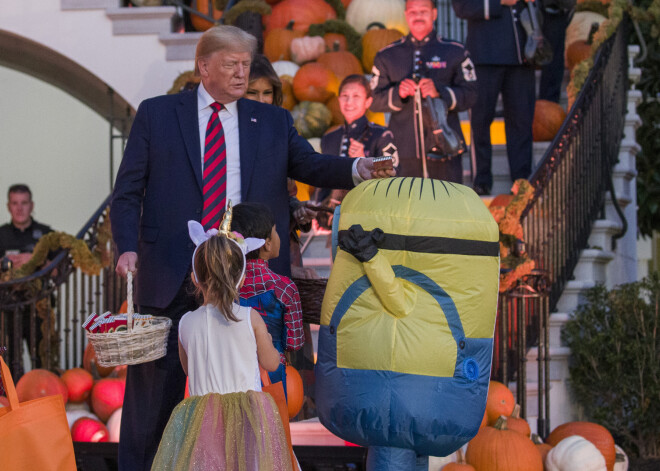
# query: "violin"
(538, 51)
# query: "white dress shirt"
(229, 119)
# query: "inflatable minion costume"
(407, 322)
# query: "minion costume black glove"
(362, 245)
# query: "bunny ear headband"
(199, 236)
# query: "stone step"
(572, 296)
(89, 4)
(602, 232)
(179, 46)
(556, 321)
(142, 20)
(592, 265)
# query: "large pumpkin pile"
(505, 443)
(93, 396)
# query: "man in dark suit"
(160, 186)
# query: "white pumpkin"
(391, 13)
(575, 453)
(285, 68)
(315, 142)
(113, 425)
(307, 49)
(73, 415)
(621, 463)
(578, 29)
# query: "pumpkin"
(575, 453)
(500, 401)
(288, 100)
(543, 448)
(595, 433)
(376, 117)
(460, 464)
(87, 429)
(342, 63)
(580, 50)
(78, 383)
(307, 49)
(120, 372)
(315, 82)
(352, 38)
(114, 426)
(91, 365)
(302, 12)
(277, 43)
(73, 415)
(107, 397)
(376, 38)
(499, 449)
(294, 391)
(285, 68)
(335, 110)
(335, 40)
(518, 424)
(621, 463)
(311, 119)
(391, 13)
(40, 383)
(548, 118)
(201, 24)
(315, 142)
(4, 402)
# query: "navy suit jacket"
(159, 184)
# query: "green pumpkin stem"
(501, 423)
(516, 411)
(289, 25)
(536, 440)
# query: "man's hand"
(365, 168)
(303, 215)
(127, 262)
(407, 88)
(19, 259)
(427, 87)
(356, 149)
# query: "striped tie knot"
(217, 107)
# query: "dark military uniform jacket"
(14, 239)
(445, 62)
(377, 140)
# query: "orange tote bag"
(34, 435)
(277, 392)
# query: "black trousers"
(516, 83)
(552, 75)
(153, 390)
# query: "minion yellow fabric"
(405, 342)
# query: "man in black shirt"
(18, 237)
(17, 241)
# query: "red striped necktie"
(214, 179)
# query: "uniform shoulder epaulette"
(451, 42)
(395, 43)
(375, 125)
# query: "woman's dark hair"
(252, 220)
(358, 79)
(262, 68)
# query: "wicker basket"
(135, 345)
(311, 298)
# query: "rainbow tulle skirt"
(233, 432)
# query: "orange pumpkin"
(78, 383)
(333, 40)
(107, 397)
(288, 100)
(376, 38)
(595, 433)
(307, 49)
(302, 12)
(40, 383)
(277, 43)
(342, 63)
(543, 448)
(86, 429)
(315, 82)
(517, 423)
(91, 365)
(294, 391)
(499, 449)
(201, 24)
(576, 52)
(500, 401)
(548, 118)
(460, 464)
